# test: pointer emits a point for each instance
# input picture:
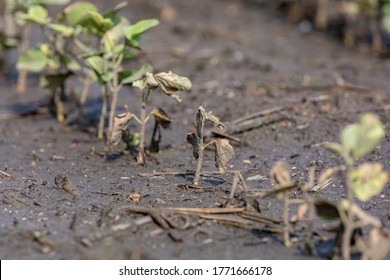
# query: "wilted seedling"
(170, 84)
(281, 179)
(364, 181)
(223, 150)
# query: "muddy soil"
(242, 58)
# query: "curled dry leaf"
(193, 140)
(135, 197)
(161, 117)
(171, 84)
(210, 117)
(326, 210)
(151, 81)
(121, 122)
(63, 181)
(280, 174)
(223, 153)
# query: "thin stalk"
(309, 201)
(115, 87)
(103, 113)
(24, 45)
(348, 225)
(87, 81)
(286, 222)
(59, 104)
(321, 17)
(201, 154)
(9, 21)
(141, 153)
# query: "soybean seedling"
(363, 181)
(170, 84)
(223, 150)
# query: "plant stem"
(141, 152)
(24, 45)
(58, 103)
(115, 87)
(201, 153)
(9, 21)
(348, 224)
(286, 222)
(83, 97)
(321, 17)
(103, 113)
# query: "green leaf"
(101, 23)
(140, 84)
(113, 13)
(133, 43)
(131, 32)
(53, 81)
(96, 63)
(63, 30)
(360, 138)
(36, 14)
(34, 60)
(78, 12)
(137, 75)
(72, 64)
(114, 36)
(334, 147)
(51, 2)
(368, 180)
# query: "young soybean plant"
(223, 150)
(363, 181)
(170, 84)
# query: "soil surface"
(242, 58)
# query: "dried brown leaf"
(161, 117)
(151, 81)
(121, 122)
(193, 140)
(135, 197)
(63, 181)
(200, 119)
(280, 174)
(223, 153)
(326, 210)
(215, 120)
(171, 84)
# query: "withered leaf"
(151, 81)
(193, 140)
(63, 181)
(280, 174)
(161, 117)
(171, 84)
(223, 153)
(326, 210)
(200, 118)
(121, 122)
(214, 119)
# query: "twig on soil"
(154, 213)
(4, 175)
(208, 210)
